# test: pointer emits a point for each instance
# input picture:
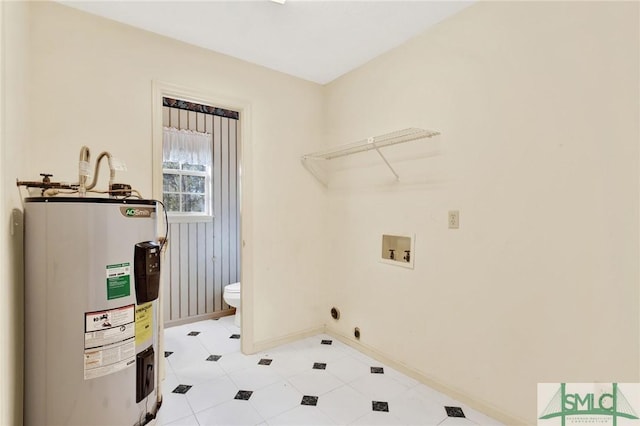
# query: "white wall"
(14, 72)
(538, 107)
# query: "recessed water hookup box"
(398, 250)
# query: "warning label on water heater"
(109, 341)
(144, 318)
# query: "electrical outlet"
(454, 219)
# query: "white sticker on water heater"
(109, 336)
(101, 320)
(109, 359)
(109, 341)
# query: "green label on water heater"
(118, 280)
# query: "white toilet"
(231, 295)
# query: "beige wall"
(72, 79)
(538, 107)
(14, 72)
(92, 84)
(537, 104)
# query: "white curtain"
(186, 146)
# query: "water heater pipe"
(112, 170)
(83, 170)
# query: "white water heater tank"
(91, 311)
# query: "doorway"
(200, 190)
(243, 151)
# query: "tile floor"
(314, 381)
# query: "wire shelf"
(393, 138)
(372, 143)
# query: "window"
(185, 187)
(186, 172)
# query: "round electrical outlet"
(335, 313)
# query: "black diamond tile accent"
(234, 336)
(377, 370)
(193, 333)
(243, 395)
(380, 406)
(265, 361)
(166, 353)
(454, 412)
(319, 366)
(214, 357)
(182, 389)
(309, 400)
(327, 342)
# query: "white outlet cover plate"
(453, 219)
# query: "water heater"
(92, 273)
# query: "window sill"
(186, 218)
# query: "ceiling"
(310, 39)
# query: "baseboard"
(283, 340)
(196, 318)
(475, 403)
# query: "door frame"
(162, 89)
